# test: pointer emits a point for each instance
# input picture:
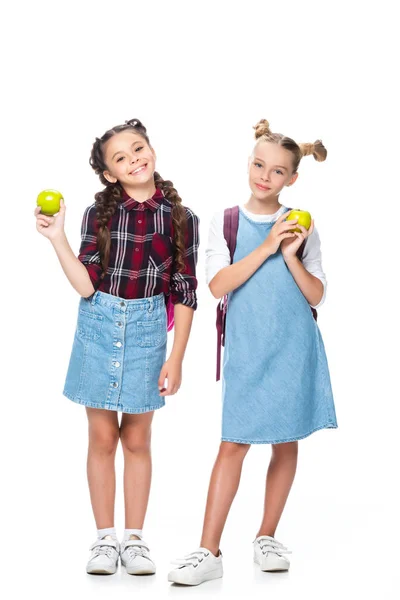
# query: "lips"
(263, 187)
(139, 170)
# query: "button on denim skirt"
(118, 351)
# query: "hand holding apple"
(51, 227)
(281, 231)
(289, 247)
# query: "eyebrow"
(121, 151)
(279, 166)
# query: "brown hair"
(317, 149)
(107, 200)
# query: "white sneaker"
(268, 553)
(136, 559)
(197, 567)
(104, 557)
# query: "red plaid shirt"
(141, 257)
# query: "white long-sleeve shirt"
(218, 256)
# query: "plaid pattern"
(141, 257)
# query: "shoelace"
(191, 560)
(137, 549)
(271, 545)
(106, 550)
(103, 547)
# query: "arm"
(308, 272)
(310, 286)
(183, 293)
(183, 318)
(53, 229)
(172, 368)
(75, 271)
(230, 277)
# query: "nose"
(265, 176)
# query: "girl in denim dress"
(138, 256)
(276, 384)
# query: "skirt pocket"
(89, 325)
(149, 333)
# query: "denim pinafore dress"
(276, 384)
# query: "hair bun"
(136, 124)
(317, 150)
(320, 152)
(261, 128)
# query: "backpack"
(170, 313)
(231, 225)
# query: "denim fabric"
(117, 354)
(276, 385)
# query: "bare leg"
(135, 438)
(103, 441)
(224, 484)
(280, 476)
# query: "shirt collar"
(152, 203)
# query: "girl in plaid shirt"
(137, 257)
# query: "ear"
(153, 153)
(110, 177)
(292, 179)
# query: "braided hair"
(108, 198)
(317, 149)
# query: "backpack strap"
(231, 225)
(220, 333)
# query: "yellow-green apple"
(49, 202)
(303, 218)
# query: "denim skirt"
(118, 351)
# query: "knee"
(104, 441)
(233, 450)
(134, 441)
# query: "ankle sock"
(129, 532)
(102, 533)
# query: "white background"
(199, 75)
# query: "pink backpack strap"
(170, 313)
(231, 225)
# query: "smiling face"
(270, 170)
(129, 159)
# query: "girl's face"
(129, 159)
(270, 170)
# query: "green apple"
(49, 202)
(303, 218)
